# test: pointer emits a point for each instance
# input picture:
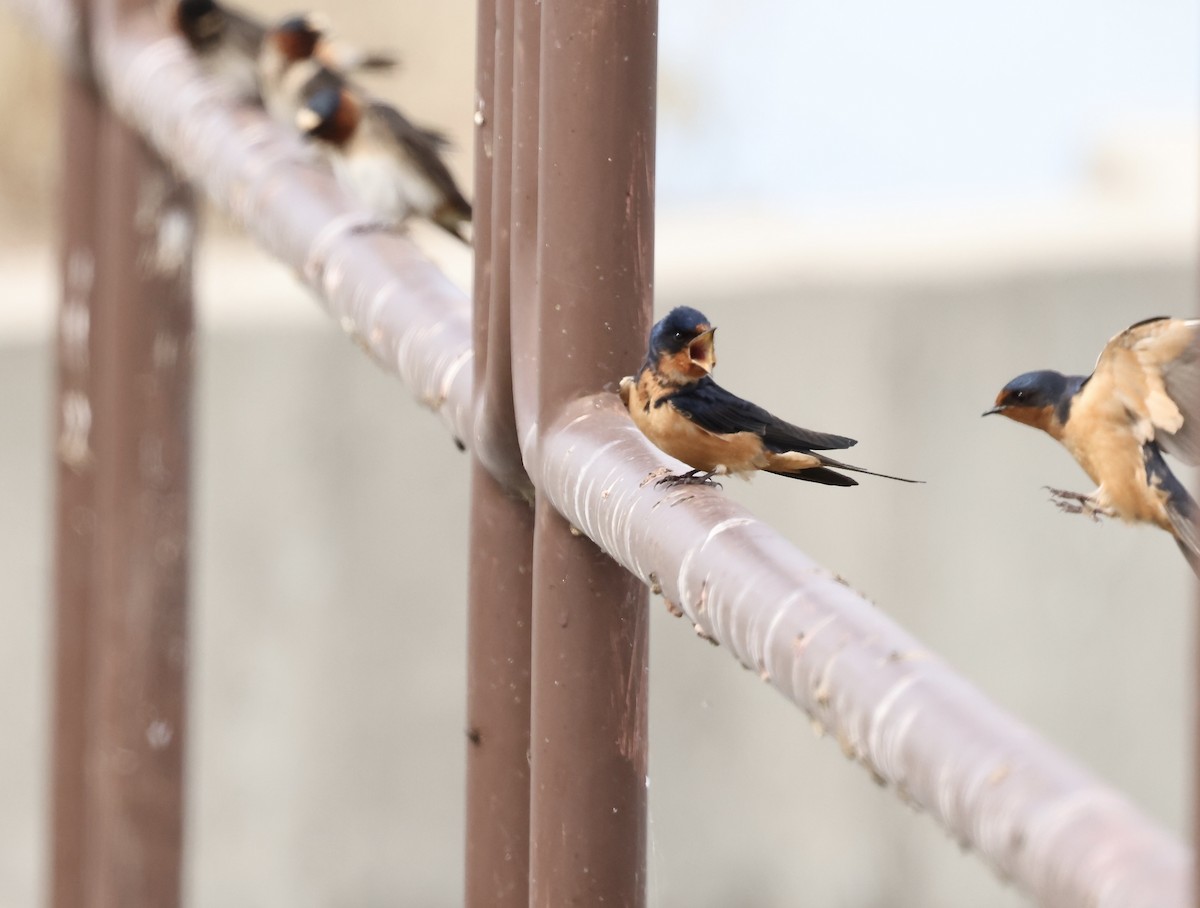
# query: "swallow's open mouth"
(702, 352)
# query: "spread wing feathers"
(1182, 510)
(1154, 367)
(424, 147)
(711, 407)
(243, 31)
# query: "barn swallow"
(297, 55)
(228, 45)
(1141, 400)
(391, 166)
(677, 405)
(225, 43)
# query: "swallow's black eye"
(1018, 395)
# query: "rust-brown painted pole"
(595, 224)
(498, 642)
(124, 400)
(501, 540)
(74, 539)
(495, 422)
(526, 67)
(141, 429)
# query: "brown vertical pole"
(74, 542)
(498, 623)
(498, 642)
(526, 67)
(596, 207)
(143, 370)
(124, 414)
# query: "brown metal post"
(498, 625)
(142, 352)
(595, 227)
(526, 68)
(74, 543)
(125, 351)
(498, 643)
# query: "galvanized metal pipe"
(1035, 815)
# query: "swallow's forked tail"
(837, 464)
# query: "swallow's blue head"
(682, 343)
(1039, 399)
(296, 37)
(330, 113)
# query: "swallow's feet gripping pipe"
(691, 478)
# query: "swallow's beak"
(307, 120)
(996, 409)
(702, 352)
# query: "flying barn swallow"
(1142, 399)
(393, 167)
(297, 56)
(677, 405)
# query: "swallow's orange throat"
(1043, 418)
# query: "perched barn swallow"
(677, 405)
(1143, 398)
(297, 56)
(229, 46)
(391, 166)
(225, 42)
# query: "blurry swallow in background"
(677, 405)
(297, 56)
(389, 165)
(1142, 399)
(228, 45)
(225, 43)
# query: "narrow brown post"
(501, 571)
(75, 517)
(595, 228)
(124, 403)
(141, 426)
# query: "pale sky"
(863, 102)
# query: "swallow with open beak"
(677, 405)
(391, 166)
(1141, 400)
(297, 56)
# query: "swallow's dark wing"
(424, 147)
(713, 408)
(1181, 507)
(244, 31)
(1154, 367)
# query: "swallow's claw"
(1077, 503)
(690, 478)
(380, 225)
